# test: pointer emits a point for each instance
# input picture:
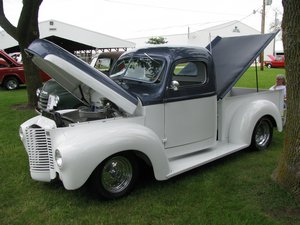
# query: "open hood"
(76, 76)
(233, 55)
(271, 57)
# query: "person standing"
(280, 84)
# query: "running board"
(185, 163)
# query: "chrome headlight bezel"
(21, 133)
(56, 99)
(58, 158)
(38, 92)
(53, 101)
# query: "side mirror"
(174, 85)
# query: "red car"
(12, 72)
(275, 61)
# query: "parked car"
(172, 108)
(53, 96)
(12, 72)
(275, 61)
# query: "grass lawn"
(235, 190)
(266, 78)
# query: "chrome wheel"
(116, 174)
(11, 83)
(262, 134)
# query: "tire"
(262, 134)
(269, 66)
(11, 83)
(115, 177)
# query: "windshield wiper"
(148, 56)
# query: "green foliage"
(157, 40)
(235, 190)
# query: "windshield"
(144, 69)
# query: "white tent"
(70, 37)
(203, 36)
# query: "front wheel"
(115, 177)
(11, 83)
(262, 134)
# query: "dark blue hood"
(78, 77)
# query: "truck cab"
(180, 83)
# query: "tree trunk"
(288, 171)
(26, 31)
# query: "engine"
(64, 118)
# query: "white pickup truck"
(173, 108)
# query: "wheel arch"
(245, 119)
(7, 76)
(133, 138)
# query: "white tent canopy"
(70, 37)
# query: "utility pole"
(275, 28)
(263, 17)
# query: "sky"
(142, 18)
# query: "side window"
(190, 73)
(103, 64)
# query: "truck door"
(190, 105)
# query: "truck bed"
(239, 98)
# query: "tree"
(287, 173)
(26, 31)
(157, 40)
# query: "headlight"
(21, 134)
(58, 158)
(52, 101)
(56, 100)
(38, 92)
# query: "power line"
(168, 8)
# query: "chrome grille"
(39, 150)
(43, 100)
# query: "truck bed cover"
(233, 55)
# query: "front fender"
(245, 119)
(85, 148)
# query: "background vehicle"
(63, 99)
(275, 61)
(173, 108)
(12, 72)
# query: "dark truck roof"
(232, 56)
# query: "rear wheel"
(269, 66)
(11, 83)
(262, 134)
(116, 176)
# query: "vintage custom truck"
(173, 108)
